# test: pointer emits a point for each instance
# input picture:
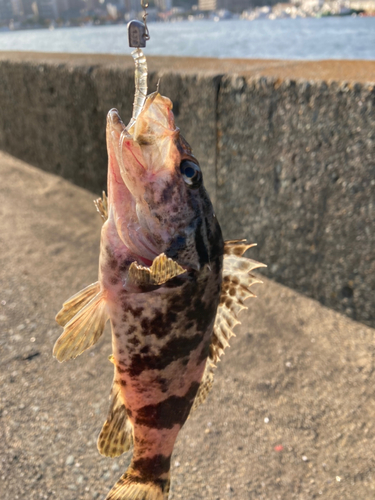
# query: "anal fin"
(84, 317)
(116, 436)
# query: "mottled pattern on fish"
(171, 302)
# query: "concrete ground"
(291, 415)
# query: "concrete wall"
(289, 163)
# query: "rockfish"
(171, 288)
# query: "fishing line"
(138, 34)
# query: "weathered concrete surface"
(299, 180)
(291, 415)
(53, 111)
(288, 163)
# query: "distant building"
(17, 7)
(29, 7)
(47, 9)
(309, 5)
(231, 5)
(132, 5)
(366, 5)
(164, 4)
(6, 11)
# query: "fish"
(171, 288)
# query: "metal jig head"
(138, 34)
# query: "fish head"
(156, 196)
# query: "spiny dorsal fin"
(205, 386)
(102, 206)
(162, 270)
(116, 435)
(84, 317)
(235, 289)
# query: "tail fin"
(132, 487)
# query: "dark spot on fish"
(114, 280)
(202, 313)
(228, 302)
(173, 410)
(167, 193)
(117, 335)
(121, 351)
(152, 467)
(163, 382)
(176, 282)
(131, 329)
(120, 370)
(232, 291)
(189, 325)
(136, 312)
(178, 303)
(159, 325)
(145, 349)
(123, 382)
(112, 261)
(174, 349)
(145, 141)
(125, 264)
(134, 341)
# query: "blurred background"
(278, 103)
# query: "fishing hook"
(144, 6)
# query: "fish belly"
(160, 346)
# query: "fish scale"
(171, 288)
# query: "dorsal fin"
(235, 289)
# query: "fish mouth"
(141, 160)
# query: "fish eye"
(191, 173)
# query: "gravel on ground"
(291, 414)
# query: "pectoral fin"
(162, 270)
(84, 317)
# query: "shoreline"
(328, 70)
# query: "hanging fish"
(170, 286)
